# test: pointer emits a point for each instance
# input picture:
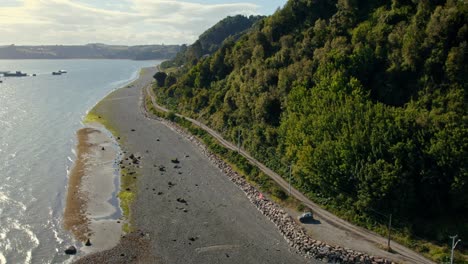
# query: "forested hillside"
(367, 100)
(230, 27)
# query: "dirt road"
(331, 229)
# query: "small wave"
(27, 230)
(125, 82)
(8, 201)
(32, 238)
(10, 243)
(56, 236)
(2, 259)
(51, 223)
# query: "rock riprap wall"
(296, 236)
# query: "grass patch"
(94, 117)
(171, 70)
(126, 194)
(127, 191)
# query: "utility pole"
(238, 140)
(454, 244)
(389, 228)
(290, 169)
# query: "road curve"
(400, 254)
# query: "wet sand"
(91, 210)
(185, 212)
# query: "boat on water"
(15, 74)
(59, 72)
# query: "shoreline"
(126, 84)
(73, 218)
(199, 203)
(84, 216)
(90, 213)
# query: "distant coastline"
(89, 51)
(58, 59)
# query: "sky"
(122, 22)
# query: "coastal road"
(189, 212)
(332, 228)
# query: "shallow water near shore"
(91, 210)
(39, 117)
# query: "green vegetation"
(126, 194)
(211, 40)
(239, 163)
(94, 117)
(367, 100)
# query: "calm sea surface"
(38, 120)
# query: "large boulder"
(71, 250)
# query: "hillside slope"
(231, 27)
(367, 100)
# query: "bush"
(301, 207)
(171, 116)
(279, 193)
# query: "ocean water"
(39, 117)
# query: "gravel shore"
(89, 213)
(186, 209)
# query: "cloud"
(115, 22)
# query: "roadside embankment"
(293, 233)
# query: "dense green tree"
(366, 99)
(228, 29)
(160, 78)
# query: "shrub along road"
(332, 229)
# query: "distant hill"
(89, 51)
(231, 27)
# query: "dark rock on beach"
(71, 250)
(133, 248)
